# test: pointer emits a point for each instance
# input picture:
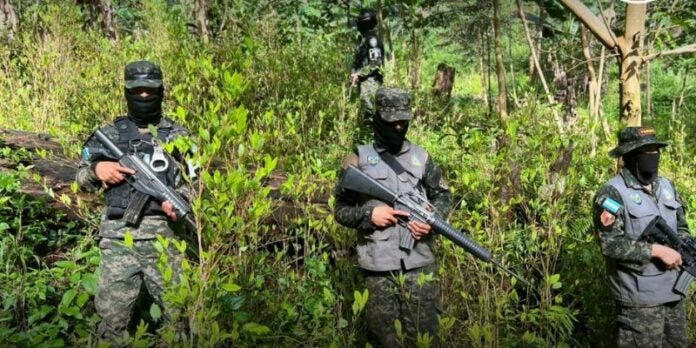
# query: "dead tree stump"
(444, 81)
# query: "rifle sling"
(393, 163)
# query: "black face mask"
(147, 110)
(643, 166)
(387, 136)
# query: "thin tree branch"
(534, 53)
(677, 51)
(591, 21)
(607, 23)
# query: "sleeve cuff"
(93, 172)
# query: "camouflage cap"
(393, 104)
(142, 74)
(631, 138)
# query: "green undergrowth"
(263, 106)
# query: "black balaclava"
(367, 21)
(387, 136)
(642, 165)
(144, 111)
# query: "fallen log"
(57, 173)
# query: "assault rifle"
(355, 180)
(659, 232)
(145, 181)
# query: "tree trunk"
(535, 58)
(8, 19)
(109, 21)
(539, 41)
(444, 81)
(499, 64)
(591, 74)
(631, 61)
(387, 36)
(515, 100)
(483, 68)
(415, 60)
(101, 14)
(201, 9)
(488, 73)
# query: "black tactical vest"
(371, 52)
(131, 141)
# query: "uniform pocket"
(626, 323)
(377, 172)
(672, 207)
(672, 204)
(640, 218)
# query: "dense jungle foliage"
(264, 88)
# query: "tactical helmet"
(393, 104)
(367, 19)
(631, 138)
(142, 74)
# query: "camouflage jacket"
(150, 225)
(611, 238)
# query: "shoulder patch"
(85, 154)
(415, 161)
(611, 205)
(667, 196)
(607, 219)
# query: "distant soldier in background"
(642, 275)
(391, 272)
(124, 268)
(367, 69)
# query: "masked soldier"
(403, 167)
(367, 63)
(124, 268)
(642, 275)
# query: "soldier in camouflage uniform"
(642, 275)
(368, 61)
(391, 273)
(124, 268)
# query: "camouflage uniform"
(123, 268)
(368, 61)
(650, 313)
(392, 273)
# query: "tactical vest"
(652, 286)
(131, 141)
(371, 53)
(378, 250)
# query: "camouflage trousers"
(368, 88)
(659, 326)
(122, 272)
(399, 296)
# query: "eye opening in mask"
(648, 149)
(142, 91)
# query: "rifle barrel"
(108, 143)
